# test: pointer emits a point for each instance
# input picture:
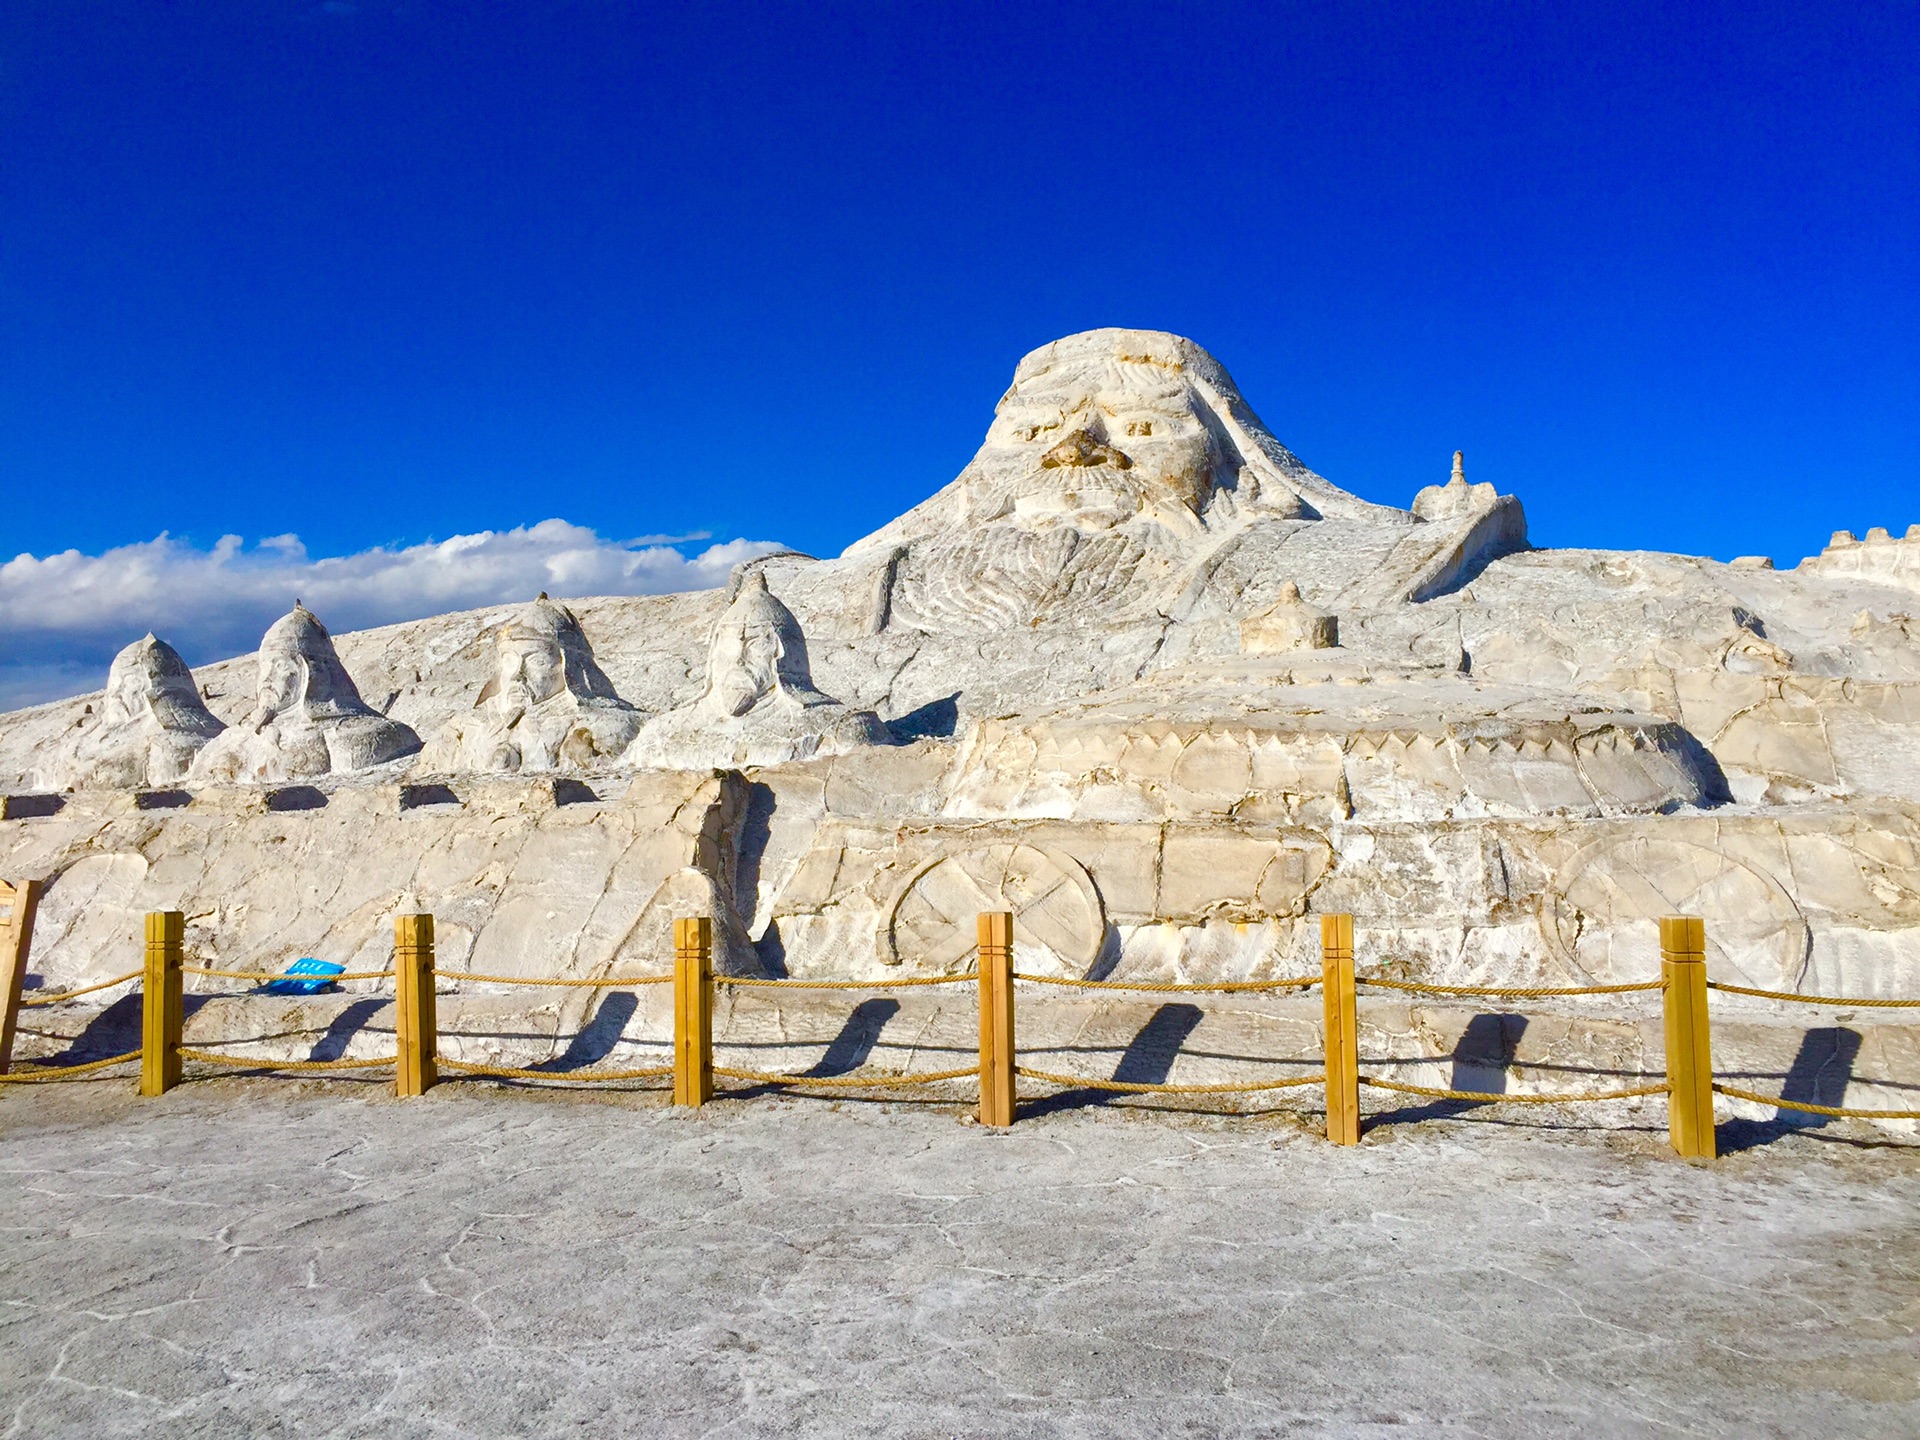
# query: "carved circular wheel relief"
(1058, 920)
(1601, 913)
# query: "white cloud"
(63, 616)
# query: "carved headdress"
(151, 724)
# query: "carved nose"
(1081, 450)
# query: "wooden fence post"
(1342, 1049)
(693, 1011)
(997, 1096)
(16, 939)
(160, 1008)
(417, 1018)
(1683, 969)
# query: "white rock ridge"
(1137, 674)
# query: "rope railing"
(1833, 1111)
(1530, 1097)
(39, 1076)
(563, 1077)
(847, 1082)
(28, 1001)
(268, 1062)
(1689, 1085)
(1169, 987)
(1490, 1097)
(1130, 1087)
(746, 982)
(600, 982)
(267, 976)
(1506, 992)
(1845, 1001)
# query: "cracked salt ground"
(261, 1258)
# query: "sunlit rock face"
(1136, 674)
(1111, 457)
(760, 706)
(547, 706)
(308, 719)
(150, 725)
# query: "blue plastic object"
(323, 972)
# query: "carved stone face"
(744, 661)
(130, 691)
(530, 668)
(301, 672)
(756, 649)
(283, 681)
(1097, 437)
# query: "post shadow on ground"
(1481, 1058)
(344, 1026)
(1148, 1060)
(595, 1040)
(850, 1049)
(1819, 1075)
(114, 1031)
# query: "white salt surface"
(275, 1258)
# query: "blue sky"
(379, 275)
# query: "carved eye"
(1140, 427)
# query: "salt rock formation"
(1104, 653)
(151, 724)
(1288, 624)
(1111, 453)
(548, 705)
(1878, 557)
(760, 706)
(308, 718)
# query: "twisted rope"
(848, 1082)
(262, 1062)
(1487, 1097)
(1812, 999)
(1518, 992)
(743, 983)
(1081, 1082)
(60, 1072)
(607, 982)
(83, 990)
(512, 1072)
(1168, 988)
(1834, 1110)
(266, 975)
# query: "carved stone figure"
(1288, 624)
(1116, 720)
(308, 718)
(151, 724)
(760, 706)
(548, 705)
(1111, 450)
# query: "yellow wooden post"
(997, 1097)
(16, 939)
(417, 1016)
(1683, 969)
(1342, 1050)
(160, 1003)
(693, 1011)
